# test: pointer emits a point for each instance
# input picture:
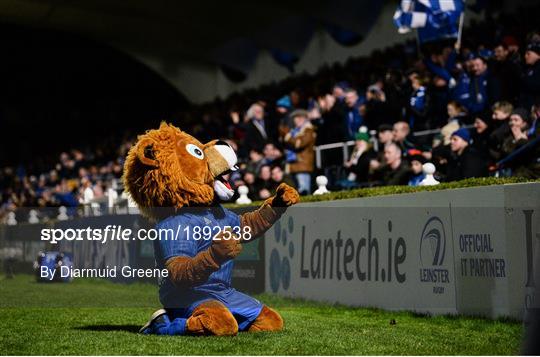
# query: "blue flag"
(434, 19)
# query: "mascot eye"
(195, 151)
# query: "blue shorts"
(244, 308)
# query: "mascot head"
(168, 168)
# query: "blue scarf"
(290, 156)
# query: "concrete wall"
(467, 251)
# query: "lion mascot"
(178, 182)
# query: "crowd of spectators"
(472, 112)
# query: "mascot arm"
(187, 271)
(270, 211)
(190, 271)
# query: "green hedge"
(392, 190)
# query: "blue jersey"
(181, 302)
(479, 93)
(461, 92)
(186, 242)
(417, 102)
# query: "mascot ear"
(146, 152)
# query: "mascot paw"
(225, 245)
(285, 196)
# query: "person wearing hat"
(530, 78)
(282, 118)
(300, 153)
(361, 156)
(465, 161)
(283, 104)
(481, 133)
(416, 160)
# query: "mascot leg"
(161, 324)
(268, 320)
(212, 318)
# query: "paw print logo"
(280, 268)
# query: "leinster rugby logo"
(433, 243)
(432, 254)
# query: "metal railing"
(373, 138)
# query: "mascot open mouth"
(223, 164)
(221, 179)
(222, 187)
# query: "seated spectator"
(416, 161)
(525, 163)
(300, 153)
(385, 136)
(263, 184)
(272, 155)
(249, 181)
(465, 162)
(501, 128)
(519, 125)
(395, 171)
(457, 116)
(278, 176)
(256, 160)
(402, 138)
(359, 162)
(481, 134)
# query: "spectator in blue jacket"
(484, 89)
(418, 103)
(416, 161)
(353, 118)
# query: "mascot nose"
(221, 158)
(228, 154)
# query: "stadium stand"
(372, 121)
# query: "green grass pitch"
(93, 317)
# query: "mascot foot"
(268, 320)
(212, 318)
(160, 324)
